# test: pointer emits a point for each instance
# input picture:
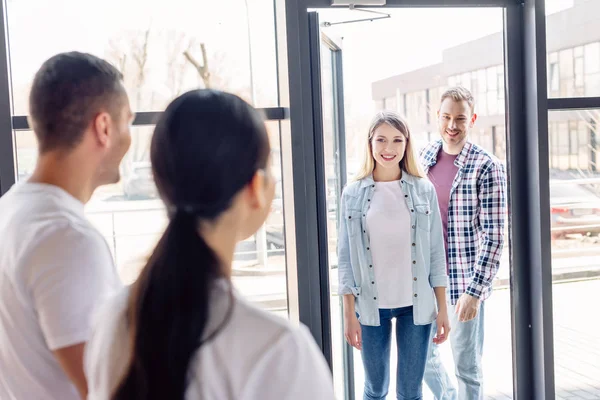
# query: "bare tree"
(202, 68)
(129, 53)
(139, 53)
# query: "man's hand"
(467, 307)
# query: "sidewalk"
(267, 286)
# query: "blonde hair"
(408, 163)
(459, 93)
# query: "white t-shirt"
(388, 224)
(254, 356)
(54, 269)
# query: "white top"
(388, 225)
(54, 269)
(255, 356)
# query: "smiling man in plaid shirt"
(471, 188)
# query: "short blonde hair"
(459, 93)
(408, 163)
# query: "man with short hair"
(55, 267)
(471, 189)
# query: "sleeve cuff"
(439, 281)
(475, 290)
(343, 289)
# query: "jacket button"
(414, 262)
(364, 231)
(358, 294)
(367, 248)
(364, 215)
(426, 212)
(414, 244)
(368, 199)
(373, 282)
(372, 185)
(374, 298)
(370, 266)
(415, 278)
(415, 295)
(413, 227)
(405, 195)
(350, 217)
(412, 210)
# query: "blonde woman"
(392, 262)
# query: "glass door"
(328, 105)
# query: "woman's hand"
(443, 326)
(352, 331)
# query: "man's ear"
(473, 119)
(101, 127)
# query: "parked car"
(139, 183)
(574, 209)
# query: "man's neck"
(66, 172)
(453, 149)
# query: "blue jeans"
(412, 343)
(466, 340)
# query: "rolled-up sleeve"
(345, 273)
(437, 274)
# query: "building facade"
(573, 70)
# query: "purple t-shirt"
(442, 176)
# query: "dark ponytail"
(171, 296)
(206, 147)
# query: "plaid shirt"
(476, 214)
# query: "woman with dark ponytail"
(181, 331)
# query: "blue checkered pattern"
(476, 217)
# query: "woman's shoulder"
(352, 187)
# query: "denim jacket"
(355, 263)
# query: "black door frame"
(527, 140)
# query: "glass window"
(592, 84)
(465, 80)
(575, 227)
(401, 104)
(553, 78)
(481, 104)
(492, 102)
(566, 72)
(579, 78)
(573, 145)
(482, 80)
(492, 79)
(584, 145)
(592, 58)
(162, 49)
(390, 103)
